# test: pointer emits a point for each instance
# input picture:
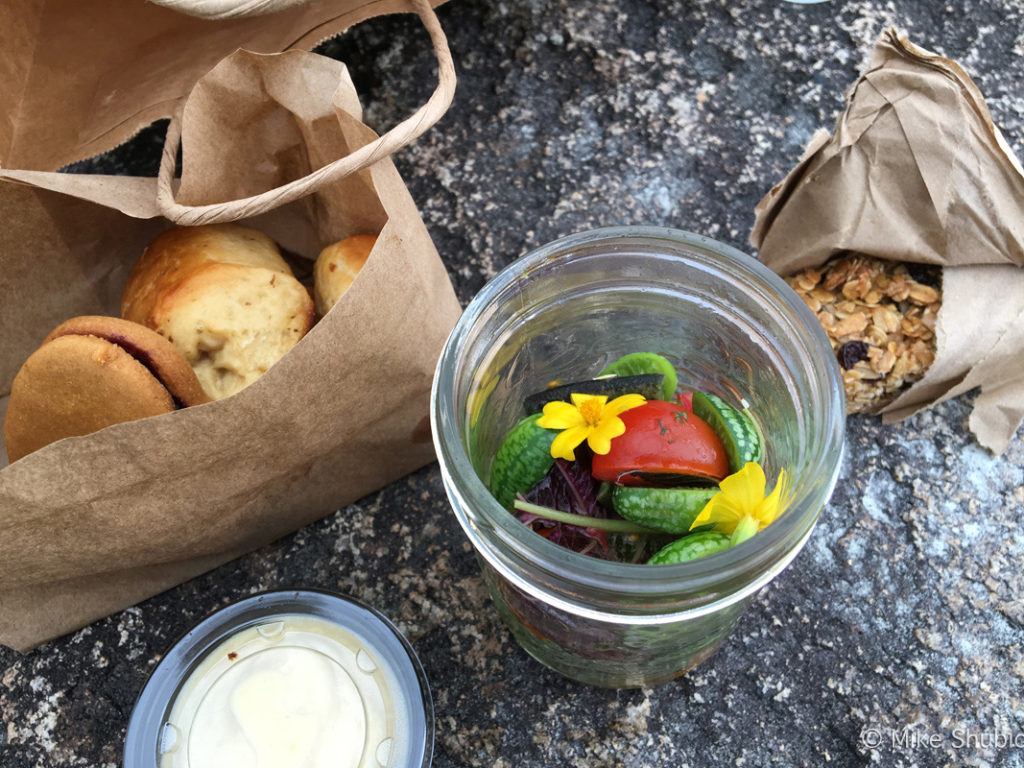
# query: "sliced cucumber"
(671, 510)
(736, 430)
(522, 460)
(692, 547)
(648, 385)
(646, 362)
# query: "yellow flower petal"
(589, 417)
(601, 436)
(745, 488)
(722, 512)
(560, 415)
(578, 399)
(775, 503)
(705, 514)
(742, 498)
(562, 446)
(624, 403)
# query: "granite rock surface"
(906, 609)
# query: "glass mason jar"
(731, 327)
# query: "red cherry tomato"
(662, 438)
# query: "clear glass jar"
(731, 327)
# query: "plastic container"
(296, 673)
(732, 327)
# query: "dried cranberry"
(925, 274)
(851, 353)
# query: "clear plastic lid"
(296, 679)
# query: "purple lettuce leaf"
(569, 487)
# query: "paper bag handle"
(227, 9)
(397, 138)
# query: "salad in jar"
(633, 466)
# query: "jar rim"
(686, 588)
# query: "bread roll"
(224, 296)
(336, 268)
(92, 372)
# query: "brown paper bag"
(90, 525)
(77, 78)
(917, 171)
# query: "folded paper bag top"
(917, 171)
(93, 524)
(227, 102)
(228, 9)
(78, 78)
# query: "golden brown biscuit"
(226, 299)
(177, 253)
(92, 372)
(147, 346)
(336, 268)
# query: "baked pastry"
(337, 266)
(89, 373)
(224, 296)
(880, 319)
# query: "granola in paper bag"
(915, 173)
(880, 320)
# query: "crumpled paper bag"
(90, 525)
(916, 171)
(78, 78)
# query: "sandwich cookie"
(92, 372)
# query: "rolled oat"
(879, 319)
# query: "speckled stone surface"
(904, 611)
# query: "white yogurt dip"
(285, 679)
(294, 692)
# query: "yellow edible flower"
(741, 509)
(589, 417)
